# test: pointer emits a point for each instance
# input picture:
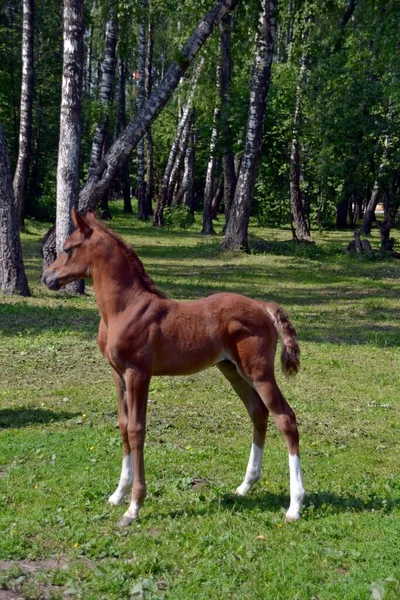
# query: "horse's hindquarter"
(198, 334)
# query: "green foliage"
(178, 216)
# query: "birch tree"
(149, 135)
(141, 184)
(207, 228)
(101, 179)
(106, 89)
(236, 231)
(70, 123)
(12, 273)
(228, 161)
(25, 128)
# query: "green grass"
(60, 452)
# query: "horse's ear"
(90, 216)
(80, 222)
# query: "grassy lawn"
(60, 453)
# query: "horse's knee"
(136, 434)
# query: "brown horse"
(143, 333)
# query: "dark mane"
(134, 260)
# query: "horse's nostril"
(51, 280)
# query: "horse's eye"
(68, 250)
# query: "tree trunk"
(210, 177)
(149, 136)
(163, 196)
(89, 55)
(218, 196)
(180, 157)
(236, 231)
(141, 185)
(12, 273)
(100, 181)
(106, 91)
(121, 124)
(25, 129)
(342, 209)
(228, 160)
(70, 124)
(296, 197)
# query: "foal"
(143, 333)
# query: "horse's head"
(74, 261)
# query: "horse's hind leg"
(285, 420)
(258, 414)
(126, 477)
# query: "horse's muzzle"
(51, 280)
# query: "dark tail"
(290, 355)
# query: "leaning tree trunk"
(70, 124)
(25, 128)
(228, 160)
(296, 196)
(149, 136)
(207, 228)
(12, 273)
(158, 220)
(100, 181)
(236, 231)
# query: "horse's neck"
(117, 284)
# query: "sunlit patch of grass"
(60, 451)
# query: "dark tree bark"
(228, 160)
(100, 181)
(106, 90)
(218, 196)
(208, 228)
(70, 124)
(149, 136)
(236, 231)
(25, 129)
(141, 184)
(121, 124)
(342, 210)
(12, 273)
(296, 196)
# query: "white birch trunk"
(25, 129)
(70, 120)
(207, 228)
(236, 231)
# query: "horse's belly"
(186, 363)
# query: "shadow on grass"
(324, 501)
(16, 418)
(17, 319)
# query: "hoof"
(125, 521)
(292, 517)
(241, 490)
(115, 499)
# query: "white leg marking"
(125, 481)
(131, 514)
(253, 471)
(296, 488)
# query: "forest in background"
(331, 129)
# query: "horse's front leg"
(126, 478)
(137, 387)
